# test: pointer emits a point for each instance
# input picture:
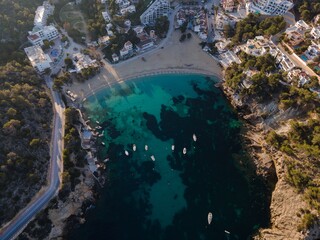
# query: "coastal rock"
(286, 202)
(72, 206)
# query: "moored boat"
(153, 158)
(172, 147)
(184, 151)
(103, 144)
(209, 218)
(134, 147)
(146, 147)
(126, 153)
(194, 137)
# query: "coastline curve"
(160, 71)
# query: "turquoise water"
(304, 57)
(170, 198)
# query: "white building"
(106, 16)
(259, 46)
(229, 57)
(284, 62)
(115, 58)
(126, 50)
(39, 34)
(129, 9)
(315, 32)
(82, 61)
(39, 60)
(269, 7)
(42, 14)
(157, 9)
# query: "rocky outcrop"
(71, 206)
(286, 202)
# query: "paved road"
(16, 226)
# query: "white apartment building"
(157, 9)
(42, 13)
(39, 34)
(269, 7)
(39, 60)
(315, 32)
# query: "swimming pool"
(304, 57)
(54, 52)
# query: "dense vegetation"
(73, 155)
(16, 19)
(253, 26)
(25, 129)
(301, 143)
(307, 9)
(263, 85)
(95, 21)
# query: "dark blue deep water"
(170, 198)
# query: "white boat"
(106, 160)
(153, 158)
(227, 232)
(126, 153)
(194, 137)
(100, 135)
(97, 122)
(103, 143)
(134, 147)
(184, 151)
(172, 147)
(146, 147)
(209, 218)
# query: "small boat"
(209, 218)
(100, 135)
(194, 137)
(97, 122)
(227, 232)
(146, 147)
(103, 144)
(172, 147)
(153, 158)
(134, 147)
(98, 127)
(106, 160)
(184, 151)
(126, 153)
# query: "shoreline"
(180, 71)
(174, 57)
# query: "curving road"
(20, 221)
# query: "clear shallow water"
(170, 198)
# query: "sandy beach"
(174, 57)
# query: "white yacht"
(126, 153)
(146, 147)
(153, 158)
(194, 137)
(103, 144)
(184, 151)
(209, 218)
(134, 147)
(97, 122)
(172, 147)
